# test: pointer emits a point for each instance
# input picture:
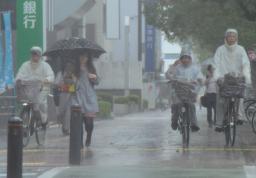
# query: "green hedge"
(104, 109)
(121, 100)
(105, 97)
(134, 99)
(131, 99)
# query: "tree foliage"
(204, 21)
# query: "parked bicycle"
(249, 108)
(253, 122)
(28, 96)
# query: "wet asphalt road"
(142, 145)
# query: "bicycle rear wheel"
(26, 116)
(40, 131)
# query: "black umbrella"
(73, 46)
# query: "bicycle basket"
(232, 80)
(236, 91)
(29, 91)
(185, 92)
(233, 87)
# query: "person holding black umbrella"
(81, 51)
(86, 95)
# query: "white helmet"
(37, 50)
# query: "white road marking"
(52, 172)
(24, 174)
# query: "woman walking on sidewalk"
(85, 95)
(211, 89)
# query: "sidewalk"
(147, 172)
(142, 145)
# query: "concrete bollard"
(75, 136)
(15, 148)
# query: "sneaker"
(195, 128)
(174, 125)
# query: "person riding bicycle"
(186, 71)
(37, 70)
(230, 58)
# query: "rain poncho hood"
(37, 50)
(185, 52)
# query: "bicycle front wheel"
(185, 136)
(186, 129)
(26, 116)
(227, 134)
(40, 132)
(232, 133)
(231, 125)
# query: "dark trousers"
(88, 125)
(211, 107)
(88, 122)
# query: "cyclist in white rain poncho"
(37, 70)
(186, 71)
(230, 58)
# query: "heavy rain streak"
(127, 88)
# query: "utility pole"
(127, 49)
(140, 30)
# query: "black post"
(15, 148)
(75, 136)
(140, 30)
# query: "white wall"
(127, 8)
(112, 75)
(65, 8)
